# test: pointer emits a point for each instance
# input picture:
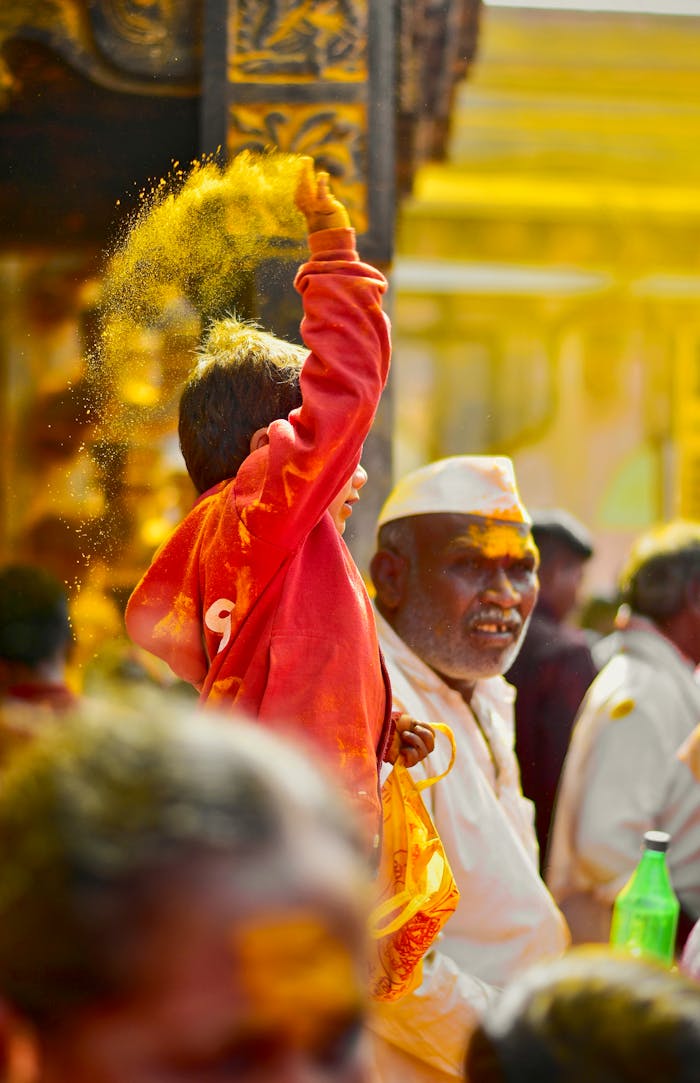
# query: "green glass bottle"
(645, 915)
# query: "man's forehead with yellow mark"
(494, 538)
(293, 969)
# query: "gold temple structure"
(547, 276)
(529, 180)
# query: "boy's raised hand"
(316, 202)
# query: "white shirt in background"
(622, 776)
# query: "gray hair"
(662, 565)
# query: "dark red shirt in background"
(551, 674)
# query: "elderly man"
(622, 775)
(455, 574)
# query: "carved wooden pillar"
(310, 77)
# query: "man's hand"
(412, 741)
(316, 202)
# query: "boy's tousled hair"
(245, 379)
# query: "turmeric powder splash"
(187, 255)
(195, 234)
(189, 252)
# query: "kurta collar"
(640, 632)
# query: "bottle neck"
(654, 857)
(653, 868)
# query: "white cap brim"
(482, 485)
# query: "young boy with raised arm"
(255, 598)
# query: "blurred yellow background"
(544, 300)
(547, 276)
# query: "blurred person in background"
(181, 899)
(690, 959)
(622, 774)
(36, 640)
(455, 573)
(597, 617)
(590, 1017)
(689, 754)
(554, 666)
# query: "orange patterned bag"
(415, 890)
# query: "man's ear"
(388, 571)
(259, 439)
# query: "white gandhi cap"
(481, 485)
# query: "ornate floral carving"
(153, 37)
(300, 39)
(437, 43)
(333, 134)
(136, 46)
(141, 22)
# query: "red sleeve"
(282, 490)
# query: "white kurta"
(622, 775)
(506, 918)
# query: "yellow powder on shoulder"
(622, 708)
(690, 753)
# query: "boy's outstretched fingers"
(305, 193)
(316, 201)
(323, 186)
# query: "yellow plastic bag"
(415, 891)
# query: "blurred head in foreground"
(590, 1015)
(181, 899)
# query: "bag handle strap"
(404, 905)
(424, 783)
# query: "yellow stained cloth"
(417, 893)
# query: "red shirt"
(552, 673)
(255, 598)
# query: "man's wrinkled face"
(251, 973)
(470, 589)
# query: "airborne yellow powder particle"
(190, 253)
(199, 235)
